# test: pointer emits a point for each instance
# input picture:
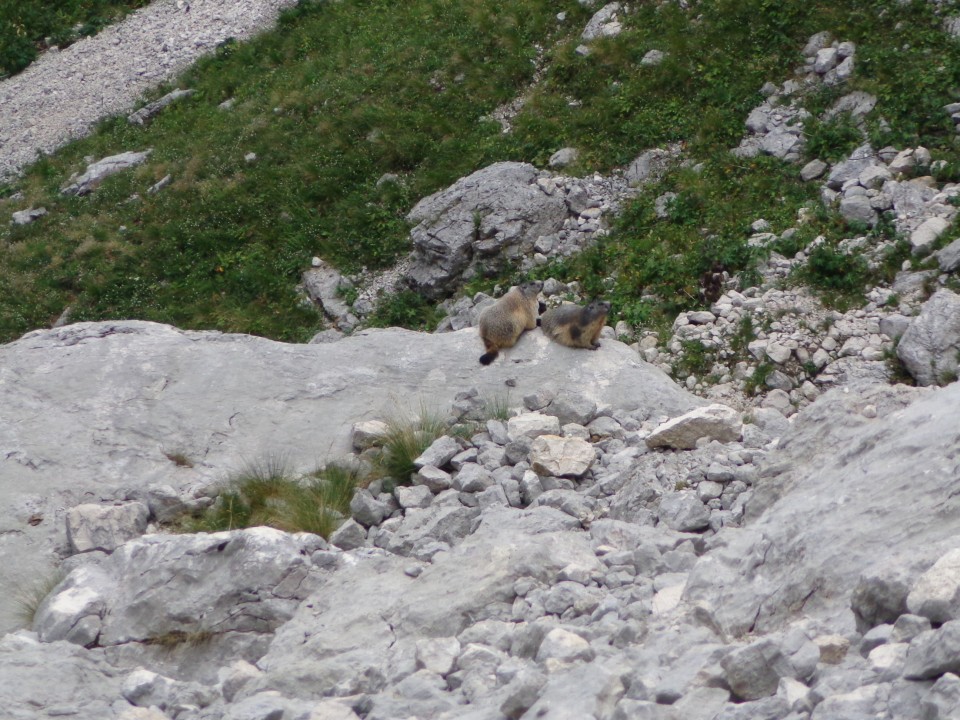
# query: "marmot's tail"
(488, 357)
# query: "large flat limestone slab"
(93, 409)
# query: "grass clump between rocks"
(267, 492)
(403, 442)
(28, 596)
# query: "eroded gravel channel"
(61, 95)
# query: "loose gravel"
(64, 93)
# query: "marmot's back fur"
(576, 326)
(504, 321)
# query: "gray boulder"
(936, 595)
(949, 257)
(923, 238)
(930, 346)
(423, 528)
(858, 209)
(880, 596)
(603, 23)
(650, 165)
(943, 699)
(716, 422)
(494, 215)
(349, 536)
(563, 157)
(161, 588)
(934, 653)
(754, 671)
(25, 217)
(144, 688)
(684, 512)
(812, 170)
(323, 284)
(98, 171)
(147, 112)
(850, 169)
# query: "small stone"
(565, 646)
(833, 648)
(415, 496)
(441, 451)
(813, 170)
(366, 434)
(349, 536)
(435, 479)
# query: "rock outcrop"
(134, 401)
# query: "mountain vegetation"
(341, 93)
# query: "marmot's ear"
(541, 307)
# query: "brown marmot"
(504, 321)
(576, 326)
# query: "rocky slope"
(617, 548)
(578, 560)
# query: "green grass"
(267, 493)
(341, 93)
(27, 25)
(338, 95)
(28, 596)
(406, 438)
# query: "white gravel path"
(61, 95)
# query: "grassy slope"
(343, 92)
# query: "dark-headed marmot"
(576, 326)
(504, 321)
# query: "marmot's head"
(532, 288)
(598, 308)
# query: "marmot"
(504, 321)
(576, 326)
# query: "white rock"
(415, 496)
(717, 422)
(532, 425)
(105, 527)
(563, 645)
(667, 599)
(923, 238)
(937, 593)
(438, 655)
(367, 434)
(778, 353)
(561, 456)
